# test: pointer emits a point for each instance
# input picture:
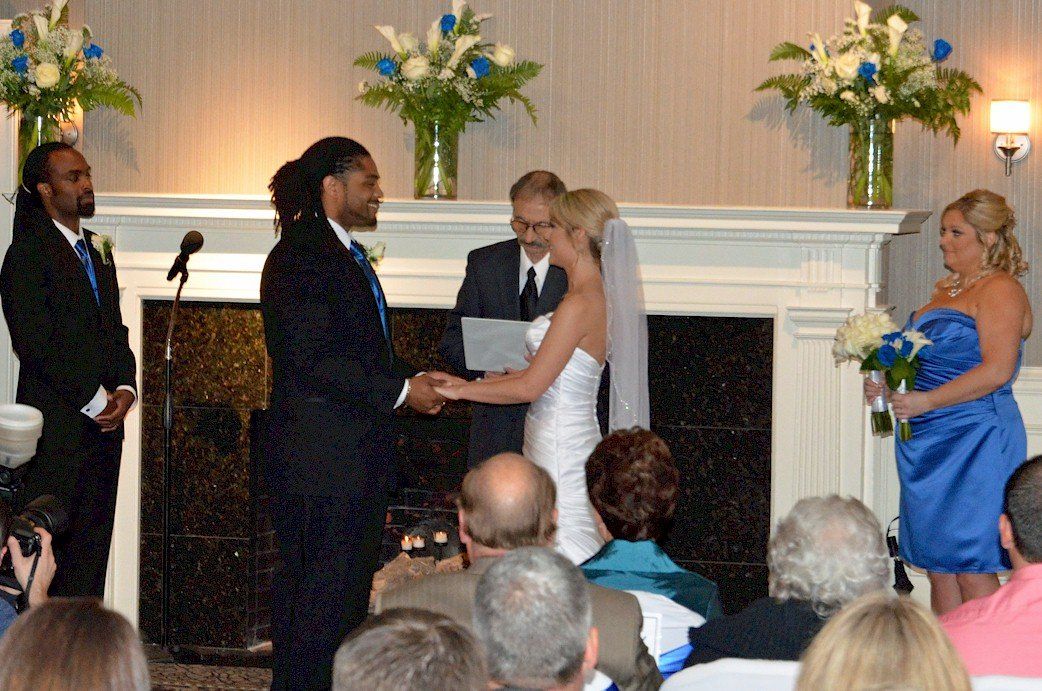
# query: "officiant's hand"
(422, 397)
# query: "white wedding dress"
(560, 432)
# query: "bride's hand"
(449, 391)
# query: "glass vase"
(34, 130)
(436, 160)
(871, 182)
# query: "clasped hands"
(905, 405)
(422, 396)
(119, 403)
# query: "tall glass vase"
(871, 182)
(34, 130)
(436, 160)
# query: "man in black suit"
(61, 302)
(329, 439)
(512, 279)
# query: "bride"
(601, 318)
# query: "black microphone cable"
(902, 583)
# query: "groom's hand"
(422, 397)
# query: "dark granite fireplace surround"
(710, 380)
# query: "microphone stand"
(168, 426)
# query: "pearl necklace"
(955, 284)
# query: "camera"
(44, 512)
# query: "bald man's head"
(508, 502)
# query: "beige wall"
(651, 101)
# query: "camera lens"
(46, 512)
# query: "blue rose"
(387, 67)
(17, 38)
(93, 51)
(21, 64)
(941, 50)
(867, 70)
(448, 22)
(891, 337)
(906, 348)
(887, 355)
(481, 66)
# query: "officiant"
(512, 279)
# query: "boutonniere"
(104, 244)
(374, 253)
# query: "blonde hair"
(988, 212)
(880, 641)
(588, 209)
(72, 644)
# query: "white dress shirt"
(345, 237)
(541, 267)
(101, 399)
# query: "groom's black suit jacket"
(490, 290)
(336, 378)
(67, 345)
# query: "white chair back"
(1001, 683)
(733, 674)
(665, 622)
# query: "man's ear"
(464, 536)
(1005, 532)
(592, 648)
(44, 189)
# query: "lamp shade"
(1010, 117)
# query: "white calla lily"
(408, 42)
(896, 28)
(434, 37)
(463, 44)
(457, 8)
(817, 48)
(56, 11)
(863, 12)
(41, 26)
(75, 44)
(391, 36)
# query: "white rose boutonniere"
(104, 244)
(374, 253)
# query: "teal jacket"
(642, 565)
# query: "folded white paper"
(492, 345)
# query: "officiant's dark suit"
(493, 289)
(330, 432)
(69, 336)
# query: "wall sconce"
(1011, 120)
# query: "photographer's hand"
(23, 566)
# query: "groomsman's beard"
(85, 206)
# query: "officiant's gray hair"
(541, 184)
(532, 613)
(827, 551)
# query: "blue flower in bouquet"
(21, 64)
(941, 50)
(448, 22)
(93, 51)
(867, 70)
(387, 67)
(891, 337)
(887, 355)
(17, 38)
(906, 348)
(481, 66)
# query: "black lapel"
(508, 276)
(554, 287)
(68, 261)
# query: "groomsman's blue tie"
(88, 266)
(374, 284)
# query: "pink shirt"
(1002, 633)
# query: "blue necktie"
(374, 284)
(88, 266)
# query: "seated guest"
(633, 485)
(532, 613)
(409, 650)
(1002, 633)
(882, 641)
(826, 552)
(72, 644)
(506, 503)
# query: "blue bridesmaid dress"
(954, 469)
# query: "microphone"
(191, 243)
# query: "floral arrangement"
(876, 69)
(104, 244)
(874, 340)
(454, 78)
(48, 69)
(374, 253)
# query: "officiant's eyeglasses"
(520, 225)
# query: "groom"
(329, 436)
(507, 280)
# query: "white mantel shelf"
(806, 269)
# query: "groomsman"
(61, 302)
(512, 279)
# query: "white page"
(491, 345)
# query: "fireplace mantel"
(807, 269)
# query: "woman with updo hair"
(968, 434)
(601, 318)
